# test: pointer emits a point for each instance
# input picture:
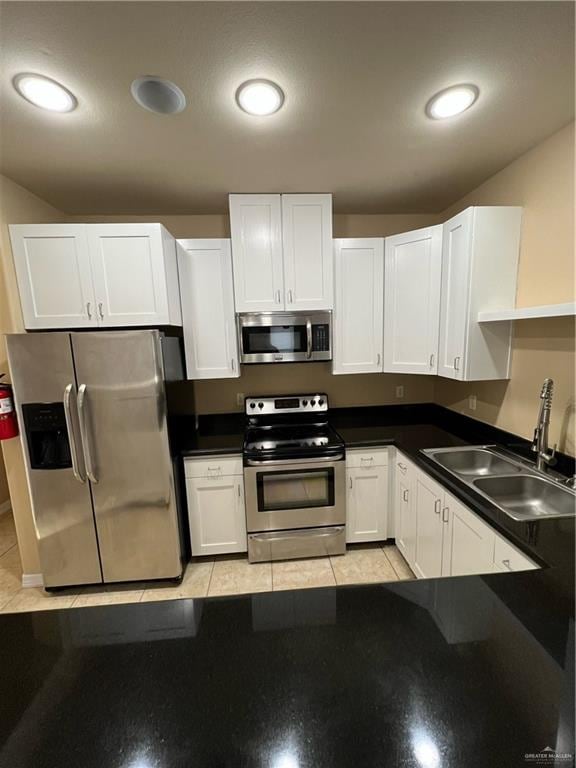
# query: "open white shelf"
(526, 313)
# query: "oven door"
(284, 338)
(300, 493)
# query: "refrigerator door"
(44, 389)
(122, 408)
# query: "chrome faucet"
(545, 455)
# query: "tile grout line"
(210, 579)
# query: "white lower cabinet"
(429, 527)
(367, 496)
(508, 558)
(405, 508)
(215, 493)
(439, 536)
(470, 541)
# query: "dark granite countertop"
(465, 672)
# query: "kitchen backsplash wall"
(221, 395)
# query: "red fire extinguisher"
(8, 423)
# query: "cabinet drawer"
(508, 558)
(217, 466)
(359, 459)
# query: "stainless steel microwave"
(285, 337)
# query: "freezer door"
(122, 407)
(43, 378)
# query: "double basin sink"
(518, 490)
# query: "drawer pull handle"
(445, 512)
(350, 483)
(403, 467)
(506, 564)
(456, 366)
(88, 312)
(367, 460)
(100, 311)
(437, 504)
(432, 360)
(405, 495)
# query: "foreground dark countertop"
(466, 672)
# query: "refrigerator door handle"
(86, 445)
(72, 434)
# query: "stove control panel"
(316, 403)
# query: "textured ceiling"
(356, 76)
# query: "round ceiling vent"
(158, 95)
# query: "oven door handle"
(308, 338)
(288, 462)
(302, 533)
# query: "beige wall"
(367, 389)
(17, 206)
(542, 181)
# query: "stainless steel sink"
(526, 497)
(474, 462)
(508, 481)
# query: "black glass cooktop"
(292, 440)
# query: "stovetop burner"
(290, 427)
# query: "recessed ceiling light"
(260, 97)
(44, 92)
(158, 95)
(451, 101)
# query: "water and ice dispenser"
(46, 435)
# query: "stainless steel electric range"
(294, 479)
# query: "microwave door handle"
(308, 339)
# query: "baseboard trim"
(5, 507)
(32, 580)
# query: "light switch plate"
(400, 392)
(240, 398)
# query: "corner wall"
(542, 181)
(17, 206)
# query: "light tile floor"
(225, 575)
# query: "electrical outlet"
(240, 398)
(400, 392)
(472, 402)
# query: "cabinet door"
(470, 543)
(413, 263)
(256, 228)
(54, 279)
(216, 513)
(367, 504)
(405, 509)
(359, 305)
(129, 274)
(207, 295)
(429, 528)
(308, 251)
(508, 558)
(454, 300)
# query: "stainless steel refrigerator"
(92, 414)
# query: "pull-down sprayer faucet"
(545, 455)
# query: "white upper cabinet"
(256, 228)
(96, 275)
(54, 278)
(480, 249)
(207, 295)
(282, 252)
(135, 274)
(359, 305)
(308, 251)
(413, 264)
